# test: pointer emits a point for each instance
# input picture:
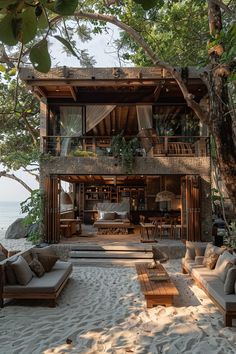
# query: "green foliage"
(40, 56)
(124, 151)
(65, 7)
(82, 153)
(33, 206)
(67, 44)
(17, 148)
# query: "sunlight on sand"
(102, 310)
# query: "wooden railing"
(95, 146)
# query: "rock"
(17, 230)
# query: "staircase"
(123, 254)
(117, 253)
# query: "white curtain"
(144, 117)
(95, 114)
(70, 125)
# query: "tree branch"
(221, 5)
(17, 179)
(29, 128)
(156, 61)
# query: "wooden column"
(51, 210)
(193, 208)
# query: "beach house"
(122, 137)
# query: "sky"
(104, 53)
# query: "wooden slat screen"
(193, 208)
(51, 210)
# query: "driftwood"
(159, 255)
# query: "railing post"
(166, 145)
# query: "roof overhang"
(146, 85)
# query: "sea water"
(9, 212)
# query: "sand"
(102, 310)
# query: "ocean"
(9, 212)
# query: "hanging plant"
(124, 151)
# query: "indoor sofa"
(33, 274)
(213, 269)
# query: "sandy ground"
(14, 244)
(102, 310)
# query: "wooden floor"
(156, 292)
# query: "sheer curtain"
(70, 125)
(95, 114)
(144, 117)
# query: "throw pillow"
(222, 270)
(47, 261)
(122, 215)
(200, 248)
(10, 275)
(22, 271)
(211, 260)
(230, 281)
(211, 249)
(226, 256)
(45, 251)
(109, 215)
(190, 250)
(37, 267)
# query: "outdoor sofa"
(33, 274)
(213, 269)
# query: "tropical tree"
(22, 21)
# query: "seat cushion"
(49, 283)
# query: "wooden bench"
(156, 292)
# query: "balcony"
(95, 146)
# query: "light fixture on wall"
(164, 195)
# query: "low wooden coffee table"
(156, 292)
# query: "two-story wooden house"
(168, 172)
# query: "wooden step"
(108, 247)
(109, 254)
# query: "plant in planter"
(124, 151)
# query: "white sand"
(102, 310)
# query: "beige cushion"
(37, 267)
(22, 270)
(200, 248)
(199, 260)
(222, 269)
(230, 281)
(190, 250)
(225, 256)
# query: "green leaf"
(42, 20)
(7, 35)
(66, 7)
(40, 57)
(29, 25)
(2, 68)
(12, 72)
(67, 44)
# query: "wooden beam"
(157, 90)
(41, 91)
(73, 91)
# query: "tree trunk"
(220, 120)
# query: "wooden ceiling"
(104, 180)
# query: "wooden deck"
(156, 292)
